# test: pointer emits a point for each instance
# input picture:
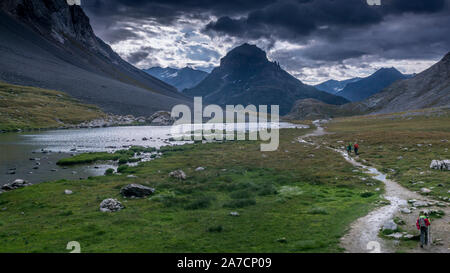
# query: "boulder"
(68, 192)
(405, 211)
(443, 165)
(110, 205)
(18, 183)
(420, 204)
(178, 174)
(390, 225)
(161, 118)
(136, 190)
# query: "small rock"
(110, 205)
(199, 169)
(136, 190)
(443, 165)
(405, 211)
(234, 213)
(396, 235)
(178, 174)
(282, 240)
(68, 192)
(419, 204)
(425, 190)
(131, 176)
(18, 183)
(390, 225)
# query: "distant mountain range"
(334, 86)
(180, 78)
(430, 88)
(366, 87)
(357, 89)
(50, 44)
(245, 76)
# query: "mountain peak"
(245, 54)
(446, 57)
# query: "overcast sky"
(314, 40)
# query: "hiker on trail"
(423, 224)
(349, 148)
(356, 148)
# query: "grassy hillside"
(26, 108)
(401, 145)
(297, 199)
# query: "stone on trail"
(405, 211)
(390, 225)
(420, 204)
(178, 174)
(443, 165)
(136, 190)
(18, 183)
(110, 205)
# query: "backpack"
(422, 222)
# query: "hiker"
(356, 148)
(423, 224)
(349, 148)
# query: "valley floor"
(301, 198)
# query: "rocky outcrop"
(18, 183)
(136, 190)
(443, 165)
(110, 205)
(179, 174)
(161, 118)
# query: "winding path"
(363, 233)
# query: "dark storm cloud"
(168, 10)
(293, 19)
(323, 33)
(137, 56)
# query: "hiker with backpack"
(423, 224)
(356, 148)
(349, 148)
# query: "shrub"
(318, 211)
(201, 202)
(366, 194)
(241, 194)
(122, 168)
(109, 171)
(239, 203)
(218, 228)
(267, 189)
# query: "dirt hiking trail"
(362, 236)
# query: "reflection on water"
(48, 147)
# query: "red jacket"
(427, 222)
(356, 146)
